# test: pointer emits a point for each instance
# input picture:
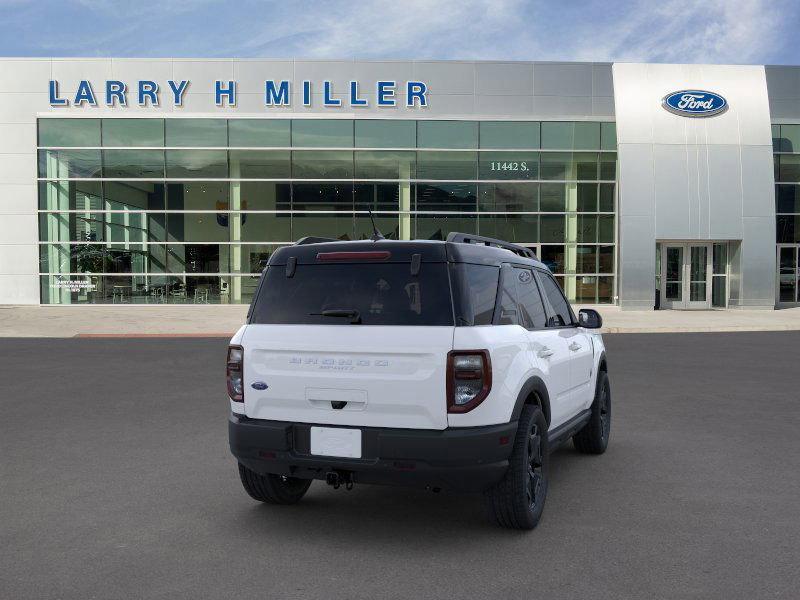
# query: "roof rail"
(469, 238)
(310, 239)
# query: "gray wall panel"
(758, 263)
(671, 174)
(563, 107)
(562, 79)
(504, 78)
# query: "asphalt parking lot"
(116, 482)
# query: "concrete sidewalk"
(223, 321)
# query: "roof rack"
(310, 239)
(469, 238)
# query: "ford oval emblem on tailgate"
(259, 385)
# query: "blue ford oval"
(695, 103)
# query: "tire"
(517, 501)
(273, 489)
(593, 438)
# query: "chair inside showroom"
(201, 293)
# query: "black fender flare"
(534, 385)
(602, 363)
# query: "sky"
(679, 31)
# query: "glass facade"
(786, 149)
(189, 210)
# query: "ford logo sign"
(694, 103)
(259, 385)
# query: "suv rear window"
(382, 294)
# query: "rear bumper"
(460, 459)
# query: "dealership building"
(171, 181)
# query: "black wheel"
(517, 501)
(593, 438)
(273, 489)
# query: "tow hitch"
(339, 478)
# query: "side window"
(507, 298)
(531, 308)
(563, 313)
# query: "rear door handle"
(545, 352)
(575, 346)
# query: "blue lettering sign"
(148, 90)
(178, 91)
(227, 92)
(416, 90)
(354, 99)
(276, 96)
(306, 93)
(386, 93)
(55, 100)
(327, 95)
(116, 90)
(85, 93)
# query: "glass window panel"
(196, 132)
(198, 227)
(720, 259)
(605, 229)
(585, 166)
(387, 223)
(608, 136)
(776, 164)
(259, 133)
(133, 132)
(261, 195)
(447, 134)
(381, 196)
(61, 164)
(531, 308)
(133, 195)
(317, 196)
(718, 292)
(789, 170)
(557, 135)
(586, 289)
(87, 289)
(197, 163)
(446, 197)
(606, 197)
(264, 227)
(446, 165)
(69, 132)
(787, 198)
(509, 134)
(587, 197)
(198, 195)
(790, 138)
(553, 257)
(126, 228)
(71, 258)
(606, 259)
(776, 138)
(586, 259)
(788, 229)
(605, 290)
(556, 165)
(553, 197)
(336, 225)
(554, 294)
(70, 195)
(587, 136)
(385, 165)
(508, 197)
(260, 164)
(133, 163)
(508, 165)
(322, 133)
(385, 133)
(438, 227)
(198, 258)
(552, 228)
(788, 288)
(517, 228)
(608, 166)
(252, 258)
(788, 261)
(320, 164)
(587, 229)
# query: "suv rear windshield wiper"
(354, 315)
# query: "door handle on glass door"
(574, 346)
(545, 352)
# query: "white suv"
(453, 365)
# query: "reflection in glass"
(385, 133)
(69, 132)
(260, 164)
(460, 197)
(385, 165)
(517, 228)
(322, 133)
(513, 134)
(62, 164)
(259, 133)
(206, 164)
(321, 164)
(122, 164)
(447, 165)
(447, 134)
(508, 165)
(196, 132)
(508, 197)
(133, 132)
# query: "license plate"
(336, 441)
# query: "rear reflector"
(370, 255)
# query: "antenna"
(376, 234)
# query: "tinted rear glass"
(382, 294)
(475, 289)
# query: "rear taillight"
(469, 379)
(235, 373)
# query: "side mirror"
(589, 318)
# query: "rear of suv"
(455, 365)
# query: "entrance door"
(686, 276)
